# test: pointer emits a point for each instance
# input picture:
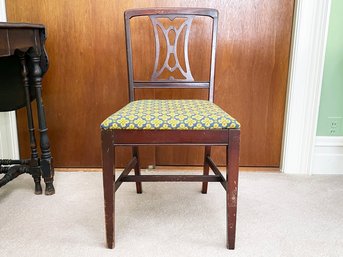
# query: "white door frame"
(311, 19)
(9, 148)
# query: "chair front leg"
(232, 168)
(206, 168)
(137, 169)
(108, 175)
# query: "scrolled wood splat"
(171, 48)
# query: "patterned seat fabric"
(170, 114)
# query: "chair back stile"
(187, 80)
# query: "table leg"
(46, 159)
(34, 163)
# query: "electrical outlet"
(335, 125)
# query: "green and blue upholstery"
(170, 114)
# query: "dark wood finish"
(122, 137)
(215, 170)
(171, 85)
(186, 80)
(11, 172)
(206, 168)
(170, 137)
(170, 11)
(135, 153)
(109, 192)
(132, 164)
(16, 39)
(46, 165)
(23, 45)
(232, 145)
(232, 167)
(171, 178)
(36, 174)
(251, 74)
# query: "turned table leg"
(46, 159)
(34, 163)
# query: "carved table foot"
(49, 188)
(36, 175)
(38, 187)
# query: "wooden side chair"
(171, 122)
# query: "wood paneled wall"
(87, 78)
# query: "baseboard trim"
(328, 156)
(175, 168)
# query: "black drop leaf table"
(23, 63)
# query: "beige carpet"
(278, 215)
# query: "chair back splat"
(174, 37)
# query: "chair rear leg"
(109, 193)
(206, 168)
(137, 169)
(232, 167)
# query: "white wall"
(2, 10)
(328, 153)
(8, 127)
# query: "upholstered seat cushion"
(170, 114)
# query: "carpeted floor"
(278, 215)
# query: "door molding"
(8, 127)
(311, 20)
